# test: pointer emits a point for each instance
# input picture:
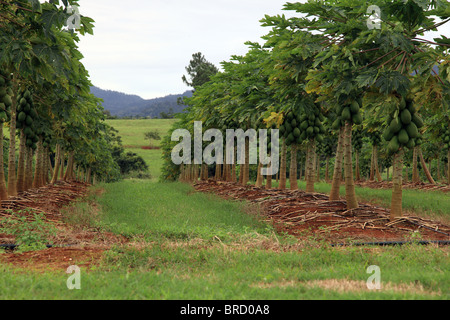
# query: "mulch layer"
(304, 215)
(71, 246)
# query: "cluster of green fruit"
(26, 114)
(298, 128)
(348, 113)
(447, 139)
(403, 129)
(357, 138)
(5, 97)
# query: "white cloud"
(142, 47)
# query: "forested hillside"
(126, 105)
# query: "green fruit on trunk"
(346, 114)
(321, 117)
(22, 116)
(393, 145)
(297, 132)
(294, 123)
(402, 104)
(411, 144)
(322, 129)
(27, 131)
(388, 134)
(303, 136)
(304, 125)
(412, 130)
(290, 116)
(395, 126)
(357, 119)
(354, 107)
(7, 100)
(310, 131)
(282, 130)
(336, 124)
(288, 127)
(403, 137)
(411, 107)
(405, 116)
(417, 120)
(3, 116)
(29, 121)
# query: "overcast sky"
(142, 47)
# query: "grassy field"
(132, 133)
(188, 245)
(185, 245)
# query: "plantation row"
(357, 99)
(56, 126)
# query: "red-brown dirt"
(306, 215)
(72, 245)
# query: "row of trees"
(46, 102)
(345, 84)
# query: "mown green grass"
(132, 133)
(172, 210)
(196, 246)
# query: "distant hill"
(127, 105)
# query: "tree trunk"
(61, 167)
(425, 169)
(12, 183)
(372, 165)
(88, 175)
(336, 183)
(293, 168)
(438, 168)
(358, 171)
(29, 169)
(3, 189)
(350, 194)
(282, 183)
(246, 176)
(58, 163)
(415, 173)
(259, 176)
(38, 168)
(396, 202)
(218, 174)
(310, 172)
(21, 163)
(269, 179)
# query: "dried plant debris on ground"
(306, 215)
(71, 244)
(406, 185)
